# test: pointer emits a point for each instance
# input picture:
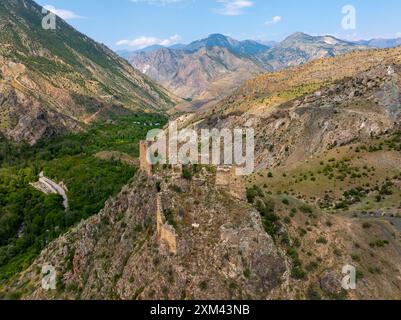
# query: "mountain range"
(53, 81)
(381, 43)
(207, 70)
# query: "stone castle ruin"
(165, 233)
(226, 179)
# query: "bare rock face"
(39, 124)
(330, 283)
(222, 250)
(24, 119)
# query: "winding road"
(55, 187)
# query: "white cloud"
(63, 13)
(143, 42)
(274, 20)
(233, 7)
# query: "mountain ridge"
(296, 49)
(53, 80)
(381, 43)
(193, 74)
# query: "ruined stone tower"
(227, 179)
(143, 157)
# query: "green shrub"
(374, 270)
(355, 257)
(203, 285)
(252, 193)
(297, 273)
(305, 209)
(247, 273)
(321, 240)
(366, 225)
(378, 243)
(313, 293)
(187, 173)
(169, 214)
(176, 188)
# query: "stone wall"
(143, 157)
(166, 233)
(227, 179)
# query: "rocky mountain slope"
(328, 153)
(209, 69)
(338, 208)
(218, 248)
(53, 81)
(303, 111)
(326, 195)
(165, 237)
(197, 73)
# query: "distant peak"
(299, 35)
(217, 36)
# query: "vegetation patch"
(29, 219)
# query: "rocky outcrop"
(330, 283)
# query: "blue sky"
(133, 24)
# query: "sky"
(135, 24)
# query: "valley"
(81, 162)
